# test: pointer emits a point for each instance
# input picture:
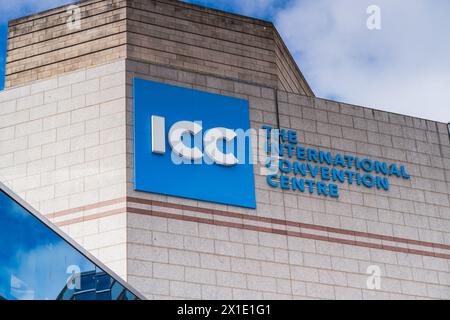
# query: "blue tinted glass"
(85, 295)
(103, 282)
(104, 295)
(88, 280)
(116, 291)
(129, 296)
(37, 264)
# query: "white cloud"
(42, 270)
(404, 67)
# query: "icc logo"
(192, 144)
(182, 128)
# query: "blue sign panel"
(172, 127)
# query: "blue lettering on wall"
(297, 163)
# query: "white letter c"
(211, 149)
(176, 133)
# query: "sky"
(401, 66)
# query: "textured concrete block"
(215, 262)
(30, 101)
(85, 87)
(261, 283)
(60, 93)
(168, 271)
(316, 290)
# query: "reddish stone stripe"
(86, 207)
(291, 223)
(91, 217)
(285, 232)
(243, 217)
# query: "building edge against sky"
(67, 146)
(51, 266)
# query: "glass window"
(38, 264)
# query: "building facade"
(367, 215)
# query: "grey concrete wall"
(316, 247)
(63, 150)
(67, 148)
